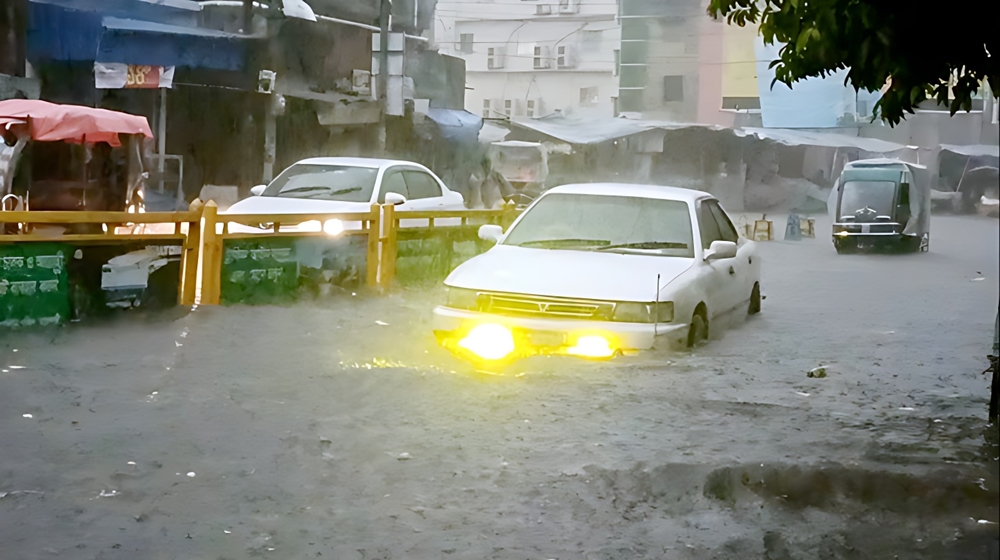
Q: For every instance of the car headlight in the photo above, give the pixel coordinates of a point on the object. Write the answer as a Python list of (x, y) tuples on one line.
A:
[(330, 227), (312, 226), (630, 312), (461, 298), (333, 227)]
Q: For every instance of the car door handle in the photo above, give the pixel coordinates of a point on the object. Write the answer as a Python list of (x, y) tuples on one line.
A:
[(732, 271)]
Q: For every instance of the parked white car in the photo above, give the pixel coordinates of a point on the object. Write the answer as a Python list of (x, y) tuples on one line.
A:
[(598, 269), (346, 185)]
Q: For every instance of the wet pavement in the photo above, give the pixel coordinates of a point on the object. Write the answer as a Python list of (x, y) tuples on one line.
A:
[(336, 429)]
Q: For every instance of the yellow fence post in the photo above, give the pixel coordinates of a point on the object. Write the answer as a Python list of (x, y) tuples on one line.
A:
[(387, 268), (191, 253), (372, 257), (211, 268)]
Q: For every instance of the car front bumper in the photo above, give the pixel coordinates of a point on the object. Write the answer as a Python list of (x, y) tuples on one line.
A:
[(536, 336)]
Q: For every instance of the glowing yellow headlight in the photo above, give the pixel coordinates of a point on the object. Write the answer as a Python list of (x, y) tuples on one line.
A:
[(842, 234), (592, 346), (333, 227), (489, 341)]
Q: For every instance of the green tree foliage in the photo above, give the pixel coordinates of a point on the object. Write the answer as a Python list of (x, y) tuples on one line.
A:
[(919, 49)]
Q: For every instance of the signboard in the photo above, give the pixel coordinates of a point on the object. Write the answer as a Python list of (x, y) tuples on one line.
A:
[(112, 75)]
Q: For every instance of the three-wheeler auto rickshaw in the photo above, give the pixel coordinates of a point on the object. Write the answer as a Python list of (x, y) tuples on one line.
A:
[(58, 157), (881, 204)]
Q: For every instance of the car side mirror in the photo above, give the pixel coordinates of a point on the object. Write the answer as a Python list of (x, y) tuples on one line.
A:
[(490, 232), (258, 190), (721, 250), (394, 199)]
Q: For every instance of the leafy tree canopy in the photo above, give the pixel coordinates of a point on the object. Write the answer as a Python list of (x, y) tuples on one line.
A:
[(918, 49)]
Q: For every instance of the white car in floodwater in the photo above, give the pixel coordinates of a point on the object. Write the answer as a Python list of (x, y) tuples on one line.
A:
[(594, 270), (334, 185)]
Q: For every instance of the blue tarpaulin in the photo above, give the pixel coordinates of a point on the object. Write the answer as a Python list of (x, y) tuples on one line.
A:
[(131, 41), (58, 33), (456, 125)]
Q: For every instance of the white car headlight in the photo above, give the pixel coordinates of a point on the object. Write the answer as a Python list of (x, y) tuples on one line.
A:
[(460, 298), (333, 227), (312, 226), (330, 227), (630, 312)]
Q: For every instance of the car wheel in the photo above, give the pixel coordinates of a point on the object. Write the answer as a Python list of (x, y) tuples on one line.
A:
[(698, 331), (754, 300)]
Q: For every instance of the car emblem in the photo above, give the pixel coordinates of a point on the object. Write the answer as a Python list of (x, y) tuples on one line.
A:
[(543, 307)]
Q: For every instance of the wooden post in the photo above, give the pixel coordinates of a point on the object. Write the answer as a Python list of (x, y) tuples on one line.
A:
[(211, 269), (372, 257), (387, 268), (191, 254), (508, 216)]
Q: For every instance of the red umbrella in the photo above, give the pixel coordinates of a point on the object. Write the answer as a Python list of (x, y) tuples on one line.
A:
[(52, 122)]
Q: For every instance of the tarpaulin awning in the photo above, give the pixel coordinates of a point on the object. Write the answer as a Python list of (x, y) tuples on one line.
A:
[(973, 150), (456, 125), (581, 130), (824, 139), (130, 41), (52, 122)]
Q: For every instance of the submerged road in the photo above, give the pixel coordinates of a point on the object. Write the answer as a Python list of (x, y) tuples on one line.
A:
[(316, 432)]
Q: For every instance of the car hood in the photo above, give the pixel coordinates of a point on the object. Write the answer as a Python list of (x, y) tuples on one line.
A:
[(277, 205), (563, 273)]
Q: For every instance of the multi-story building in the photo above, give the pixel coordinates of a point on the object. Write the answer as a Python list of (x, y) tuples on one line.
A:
[(530, 58)]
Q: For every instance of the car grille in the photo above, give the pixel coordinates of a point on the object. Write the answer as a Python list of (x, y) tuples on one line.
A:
[(535, 306)]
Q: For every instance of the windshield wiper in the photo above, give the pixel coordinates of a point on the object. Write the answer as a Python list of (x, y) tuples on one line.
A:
[(565, 243), (326, 190), (645, 245)]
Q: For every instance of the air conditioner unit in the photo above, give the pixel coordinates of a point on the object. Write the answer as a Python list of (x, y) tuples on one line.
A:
[(543, 10), (361, 82), (565, 56), (542, 57), (496, 58), (569, 6)]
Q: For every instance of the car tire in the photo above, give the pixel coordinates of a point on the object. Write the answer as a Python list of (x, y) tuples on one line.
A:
[(698, 331), (754, 300)]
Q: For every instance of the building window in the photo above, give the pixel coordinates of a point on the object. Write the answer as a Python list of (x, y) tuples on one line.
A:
[(741, 103), (529, 108), (508, 104), (465, 43), (618, 62), (673, 88), (542, 58), (495, 58), (588, 95), (487, 108)]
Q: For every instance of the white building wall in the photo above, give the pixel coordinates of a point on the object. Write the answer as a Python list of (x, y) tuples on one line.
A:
[(541, 63)]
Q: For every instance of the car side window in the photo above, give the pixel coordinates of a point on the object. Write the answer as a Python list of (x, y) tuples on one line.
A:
[(392, 182), (421, 185), (726, 227), (708, 226)]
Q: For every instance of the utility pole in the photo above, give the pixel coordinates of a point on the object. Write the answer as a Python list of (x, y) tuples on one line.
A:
[(382, 84)]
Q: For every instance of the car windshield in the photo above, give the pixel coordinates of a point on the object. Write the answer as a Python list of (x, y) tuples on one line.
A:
[(606, 223), (877, 195), (324, 182)]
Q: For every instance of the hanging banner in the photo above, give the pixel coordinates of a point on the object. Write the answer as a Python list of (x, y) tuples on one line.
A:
[(112, 75)]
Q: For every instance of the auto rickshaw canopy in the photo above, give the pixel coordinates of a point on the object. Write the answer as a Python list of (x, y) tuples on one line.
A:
[(53, 122)]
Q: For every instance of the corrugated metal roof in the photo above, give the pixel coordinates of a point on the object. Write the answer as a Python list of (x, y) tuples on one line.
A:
[(973, 150), (825, 139)]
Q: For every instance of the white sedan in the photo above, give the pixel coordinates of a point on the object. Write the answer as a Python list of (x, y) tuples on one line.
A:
[(599, 269), (346, 185)]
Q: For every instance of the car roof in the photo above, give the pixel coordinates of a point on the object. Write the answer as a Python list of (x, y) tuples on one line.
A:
[(374, 163), (633, 190)]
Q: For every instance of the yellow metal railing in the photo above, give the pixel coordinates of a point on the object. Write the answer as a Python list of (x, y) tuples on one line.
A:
[(202, 232), (30, 226)]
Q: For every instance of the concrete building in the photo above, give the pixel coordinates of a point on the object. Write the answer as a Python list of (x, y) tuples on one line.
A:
[(530, 58)]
